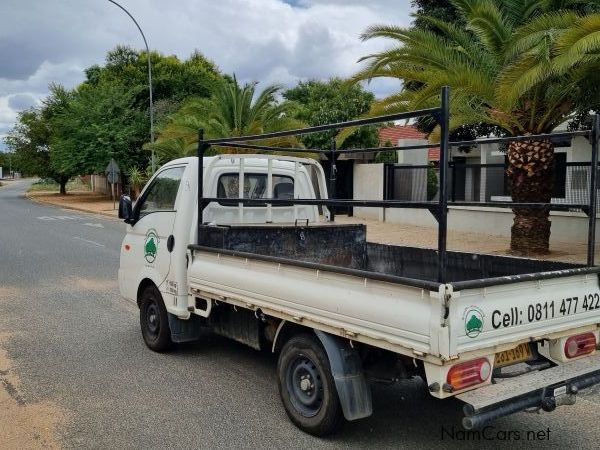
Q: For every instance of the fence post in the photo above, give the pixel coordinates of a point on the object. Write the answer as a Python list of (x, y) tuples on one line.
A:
[(443, 200), (595, 135)]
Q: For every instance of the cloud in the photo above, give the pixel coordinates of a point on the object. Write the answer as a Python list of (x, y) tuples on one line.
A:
[(17, 95), (19, 102), (272, 41)]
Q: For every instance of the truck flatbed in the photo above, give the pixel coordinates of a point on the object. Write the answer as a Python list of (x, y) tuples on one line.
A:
[(342, 247)]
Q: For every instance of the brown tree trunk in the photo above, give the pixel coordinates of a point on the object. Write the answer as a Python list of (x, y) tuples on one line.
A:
[(63, 187), (531, 174)]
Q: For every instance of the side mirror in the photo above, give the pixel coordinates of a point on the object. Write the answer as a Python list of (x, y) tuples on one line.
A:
[(125, 209)]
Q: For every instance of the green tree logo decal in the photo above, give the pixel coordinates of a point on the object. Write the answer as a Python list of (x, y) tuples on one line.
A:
[(151, 245), (473, 321)]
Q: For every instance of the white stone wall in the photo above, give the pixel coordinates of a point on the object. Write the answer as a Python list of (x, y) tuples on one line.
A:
[(566, 226), (368, 185)]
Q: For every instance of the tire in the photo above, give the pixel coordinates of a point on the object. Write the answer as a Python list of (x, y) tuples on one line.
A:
[(154, 320), (306, 386)]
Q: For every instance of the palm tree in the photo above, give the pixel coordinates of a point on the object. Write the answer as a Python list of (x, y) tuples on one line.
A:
[(232, 110), (520, 65)]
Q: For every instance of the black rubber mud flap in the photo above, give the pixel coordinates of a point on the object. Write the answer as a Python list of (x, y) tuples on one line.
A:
[(185, 330), (350, 382)]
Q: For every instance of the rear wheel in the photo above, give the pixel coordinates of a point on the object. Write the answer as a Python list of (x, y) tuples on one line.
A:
[(307, 387), (154, 320)]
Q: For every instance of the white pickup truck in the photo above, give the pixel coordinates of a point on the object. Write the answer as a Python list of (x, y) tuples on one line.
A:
[(503, 335)]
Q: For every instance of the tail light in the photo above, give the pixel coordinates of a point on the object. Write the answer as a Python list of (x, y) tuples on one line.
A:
[(469, 373), (582, 344)]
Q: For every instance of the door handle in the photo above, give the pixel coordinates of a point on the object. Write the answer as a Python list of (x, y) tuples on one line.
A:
[(170, 243)]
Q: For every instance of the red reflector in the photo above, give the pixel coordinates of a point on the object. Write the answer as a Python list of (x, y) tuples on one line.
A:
[(469, 373), (582, 344), (127, 247)]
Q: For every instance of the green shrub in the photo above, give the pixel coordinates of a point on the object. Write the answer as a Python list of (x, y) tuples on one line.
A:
[(390, 157), (432, 182)]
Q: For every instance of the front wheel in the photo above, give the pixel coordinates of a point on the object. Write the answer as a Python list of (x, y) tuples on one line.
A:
[(307, 387), (154, 320)]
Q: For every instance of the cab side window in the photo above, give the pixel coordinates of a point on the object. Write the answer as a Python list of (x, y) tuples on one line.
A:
[(162, 192)]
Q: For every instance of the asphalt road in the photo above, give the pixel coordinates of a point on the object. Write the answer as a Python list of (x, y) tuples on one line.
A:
[(73, 341)]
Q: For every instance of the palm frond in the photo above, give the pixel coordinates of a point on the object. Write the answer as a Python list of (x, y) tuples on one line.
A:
[(232, 110), (489, 24), (547, 27), (580, 43)]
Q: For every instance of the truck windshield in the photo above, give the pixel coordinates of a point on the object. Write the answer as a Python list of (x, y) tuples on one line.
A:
[(255, 186), (162, 192)]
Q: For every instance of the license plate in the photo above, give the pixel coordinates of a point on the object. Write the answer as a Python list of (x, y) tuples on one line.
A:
[(516, 355)]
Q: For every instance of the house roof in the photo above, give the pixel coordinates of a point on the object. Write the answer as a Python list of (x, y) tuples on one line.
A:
[(397, 132)]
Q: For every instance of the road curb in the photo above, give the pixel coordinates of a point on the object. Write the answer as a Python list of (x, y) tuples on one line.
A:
[(33, 198)]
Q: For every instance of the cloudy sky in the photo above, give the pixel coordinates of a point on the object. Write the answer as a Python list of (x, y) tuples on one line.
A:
[(43, 41)]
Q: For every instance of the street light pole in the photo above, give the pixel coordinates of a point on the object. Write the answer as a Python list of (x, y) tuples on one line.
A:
[(149, 80)]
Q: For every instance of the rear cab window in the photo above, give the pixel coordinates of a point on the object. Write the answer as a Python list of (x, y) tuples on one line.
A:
[(255, 186)]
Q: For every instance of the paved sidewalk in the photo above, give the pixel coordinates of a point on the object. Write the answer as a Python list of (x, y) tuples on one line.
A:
[(78, 200)]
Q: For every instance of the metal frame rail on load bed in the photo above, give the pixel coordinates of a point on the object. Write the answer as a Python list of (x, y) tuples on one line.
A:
[(439, 208)]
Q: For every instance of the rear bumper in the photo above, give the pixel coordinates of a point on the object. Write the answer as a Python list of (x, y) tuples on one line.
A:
[(545, 389)]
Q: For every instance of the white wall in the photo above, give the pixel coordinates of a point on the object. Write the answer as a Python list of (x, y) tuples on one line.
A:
[(580, 150), (413, 157), (566, 226), (368, 185)]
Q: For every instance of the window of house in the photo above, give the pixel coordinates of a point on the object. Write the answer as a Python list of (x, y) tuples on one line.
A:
[(579, 179)]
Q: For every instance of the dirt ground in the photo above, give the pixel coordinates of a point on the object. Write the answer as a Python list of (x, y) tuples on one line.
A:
[(24, 424), (426, 237), (79, 200)]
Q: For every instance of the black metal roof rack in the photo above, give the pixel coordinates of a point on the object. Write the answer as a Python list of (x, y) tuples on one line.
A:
[(438, 208)]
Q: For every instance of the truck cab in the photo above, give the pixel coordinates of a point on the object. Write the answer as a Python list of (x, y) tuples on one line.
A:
[(161, 223)]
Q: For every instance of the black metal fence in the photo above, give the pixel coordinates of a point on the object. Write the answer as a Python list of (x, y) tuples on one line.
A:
[(437, 206), (482, 183)]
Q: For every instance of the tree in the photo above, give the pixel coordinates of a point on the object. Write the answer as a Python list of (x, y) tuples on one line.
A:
[(439, 9), (107, 115), (172, 78), (29, 140), (320, 103), (96, 124), (232, 110), (7, 161), (503, 72), (446, 11)]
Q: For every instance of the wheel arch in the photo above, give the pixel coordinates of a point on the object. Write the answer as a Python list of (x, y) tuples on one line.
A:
[(351, 385), (141, 287), (285, 331)]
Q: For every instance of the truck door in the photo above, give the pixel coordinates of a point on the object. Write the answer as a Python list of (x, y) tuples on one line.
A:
[(149, 254)]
